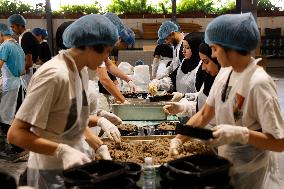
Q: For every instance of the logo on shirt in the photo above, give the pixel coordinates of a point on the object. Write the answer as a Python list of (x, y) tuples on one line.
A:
[(238, 104)]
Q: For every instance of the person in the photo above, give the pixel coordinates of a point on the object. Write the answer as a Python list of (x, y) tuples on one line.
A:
[(163, 56), (243, 99), (12, 64), (187, 104), (183, 79), (53, 120), (44, 50), (27, 41), (169, 33)]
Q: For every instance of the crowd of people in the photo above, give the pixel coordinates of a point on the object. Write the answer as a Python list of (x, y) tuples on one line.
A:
[(48, 114)]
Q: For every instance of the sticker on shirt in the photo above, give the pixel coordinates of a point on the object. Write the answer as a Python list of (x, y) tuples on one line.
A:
[(238, 104)]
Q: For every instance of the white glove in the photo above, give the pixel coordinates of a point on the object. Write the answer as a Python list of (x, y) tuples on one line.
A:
[(103, 152), (70, 156), (110, 116), (155, 67), (226, 134), (132, 86), (181, 108), (174, 146), (110, 129), (177, 96)]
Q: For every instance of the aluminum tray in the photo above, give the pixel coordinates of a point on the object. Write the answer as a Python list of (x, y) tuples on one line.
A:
[(140, 111)]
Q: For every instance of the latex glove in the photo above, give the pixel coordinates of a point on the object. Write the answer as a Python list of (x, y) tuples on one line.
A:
[(173, 108), (226, 134), (175, 144), (110, 116), (103, 152), (110, 129), (181, 108), (177, 96), (70, 156), (132, 86)]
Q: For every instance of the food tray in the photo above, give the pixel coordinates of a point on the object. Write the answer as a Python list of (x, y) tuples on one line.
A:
[(158, 98), (140, 112)]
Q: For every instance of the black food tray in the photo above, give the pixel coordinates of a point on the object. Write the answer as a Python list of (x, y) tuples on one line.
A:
[(158, 98), (195, 132)]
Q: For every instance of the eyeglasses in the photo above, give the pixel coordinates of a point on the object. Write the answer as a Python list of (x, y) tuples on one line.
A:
[(224, 91), (205, 61)]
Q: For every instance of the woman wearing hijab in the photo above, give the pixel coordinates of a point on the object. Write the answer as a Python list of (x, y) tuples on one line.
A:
[(192, 102), (183, 78)]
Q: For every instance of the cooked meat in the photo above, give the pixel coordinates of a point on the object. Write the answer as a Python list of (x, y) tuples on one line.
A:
[(127, 127)]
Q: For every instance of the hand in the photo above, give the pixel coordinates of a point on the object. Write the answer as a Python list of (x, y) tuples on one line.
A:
[(103, 152), (110, 116), (70, 156), (110, 129), (226, 134), (177, 96), (174, 146), (173, 108), (132, 86)]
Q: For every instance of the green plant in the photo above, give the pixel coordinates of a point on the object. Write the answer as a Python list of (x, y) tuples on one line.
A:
[(131, 6), (225, 8), (164, 7), (15, 6), (79, 9), (266, 5), (186, 6)]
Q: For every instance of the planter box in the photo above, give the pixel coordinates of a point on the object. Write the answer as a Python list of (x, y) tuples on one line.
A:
[(150, 30)]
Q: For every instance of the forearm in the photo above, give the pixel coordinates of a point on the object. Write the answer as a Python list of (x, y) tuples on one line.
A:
[(202, 117), (93, 120), (94, 141), (114, 70), (109, 85), (265, 141), (20, 135), (29, 61)]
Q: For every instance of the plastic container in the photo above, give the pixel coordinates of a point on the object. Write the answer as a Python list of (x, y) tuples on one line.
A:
[(133, 171), (149, 174)]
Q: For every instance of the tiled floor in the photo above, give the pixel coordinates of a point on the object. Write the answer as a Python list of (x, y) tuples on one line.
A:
[(277, 73)]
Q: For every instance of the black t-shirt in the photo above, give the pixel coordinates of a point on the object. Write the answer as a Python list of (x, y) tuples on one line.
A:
[(59, 33), (30, 45), (44, 52), (164, 50)]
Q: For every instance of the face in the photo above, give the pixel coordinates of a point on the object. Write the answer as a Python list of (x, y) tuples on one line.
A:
[(208, 65), (16, 29), (38, 38), (171, 39), (221, 55), (95, 59), (186, 50)]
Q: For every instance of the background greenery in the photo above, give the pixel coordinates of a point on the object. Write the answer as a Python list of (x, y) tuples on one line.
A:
[(8, 7)]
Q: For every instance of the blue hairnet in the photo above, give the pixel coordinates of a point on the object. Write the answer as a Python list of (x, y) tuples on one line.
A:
[(17, 19), (165, 30), (125, 33), (90, 30), (44, 32), (235, 31), (128, 36), (39, 31), (5, 29)]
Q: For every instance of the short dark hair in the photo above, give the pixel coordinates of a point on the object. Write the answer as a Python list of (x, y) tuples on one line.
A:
[(241, 52), (99, 48)]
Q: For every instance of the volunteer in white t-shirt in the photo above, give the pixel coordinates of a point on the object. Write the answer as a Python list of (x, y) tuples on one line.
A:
[(52, 121), (243, 98)]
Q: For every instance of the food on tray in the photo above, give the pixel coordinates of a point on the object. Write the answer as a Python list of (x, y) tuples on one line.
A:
[(152, 89), (127, 127), (136, 151), (167, 126)]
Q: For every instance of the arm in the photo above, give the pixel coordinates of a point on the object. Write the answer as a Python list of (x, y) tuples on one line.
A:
[(114, 70), (20, 135), (94, 141), (29, 62), (108, 84), (200, 119)]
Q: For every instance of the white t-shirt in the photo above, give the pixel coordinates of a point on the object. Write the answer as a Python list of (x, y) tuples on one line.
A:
[(50, 103), (259, 109)]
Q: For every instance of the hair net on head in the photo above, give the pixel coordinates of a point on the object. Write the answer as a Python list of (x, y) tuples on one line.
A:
[(17, 19), (90, 30), (235, 31), (5, 29), (165, 30), (125, 33)]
